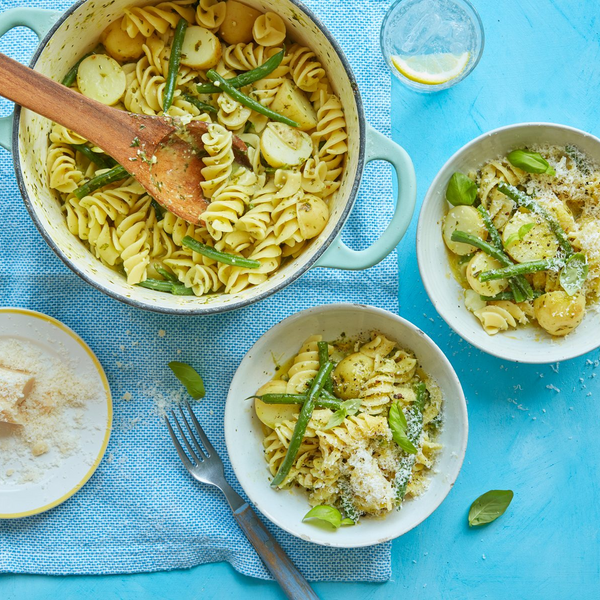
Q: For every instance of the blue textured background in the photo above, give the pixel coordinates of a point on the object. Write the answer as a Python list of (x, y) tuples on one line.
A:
[(540, 63)]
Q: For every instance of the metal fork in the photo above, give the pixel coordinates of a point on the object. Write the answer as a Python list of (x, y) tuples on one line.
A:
[(204, 464)]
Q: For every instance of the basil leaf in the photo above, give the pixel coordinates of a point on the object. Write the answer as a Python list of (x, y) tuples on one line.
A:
[(532, 162), (347, 521), (574, 273), (189, 378), (523, 231), (325, 513), (461, 190), (489, 506), (336, 419), (398, 425), (351, 406)]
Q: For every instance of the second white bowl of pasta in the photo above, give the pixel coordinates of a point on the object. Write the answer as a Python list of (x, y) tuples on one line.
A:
[(527, 196), (385, 440)]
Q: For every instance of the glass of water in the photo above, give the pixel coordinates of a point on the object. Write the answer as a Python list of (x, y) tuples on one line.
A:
[(431, 45)]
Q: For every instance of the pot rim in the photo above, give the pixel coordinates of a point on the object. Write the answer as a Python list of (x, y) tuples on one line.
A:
[(204, 309)]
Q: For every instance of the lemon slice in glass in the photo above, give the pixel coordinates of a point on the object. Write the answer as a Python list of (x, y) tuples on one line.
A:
[(432, 69)]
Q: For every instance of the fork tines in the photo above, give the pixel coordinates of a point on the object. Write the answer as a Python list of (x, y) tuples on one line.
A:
[(199, 453)]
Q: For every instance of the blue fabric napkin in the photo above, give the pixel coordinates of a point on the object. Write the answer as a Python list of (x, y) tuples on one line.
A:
[(141, 511)]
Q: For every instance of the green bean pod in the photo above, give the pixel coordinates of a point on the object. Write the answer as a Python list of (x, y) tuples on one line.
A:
[(246, 100), (521, 290), (174, 59), (522, 199), (246, 78), (323, 348), (322, 402), (522, 268), (169, 287), (201, 106), (98, 158), (224, 257), (303, 419), (115, 174)]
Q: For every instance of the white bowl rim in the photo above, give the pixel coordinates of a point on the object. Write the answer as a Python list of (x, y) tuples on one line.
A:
[(458, 453), (421, 229)]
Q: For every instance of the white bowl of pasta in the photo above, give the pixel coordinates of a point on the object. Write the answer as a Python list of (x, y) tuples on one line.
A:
[(283, 209), (354, 465), (534, 197)]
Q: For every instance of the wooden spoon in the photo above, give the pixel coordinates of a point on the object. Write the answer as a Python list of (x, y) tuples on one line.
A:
[(149, 147)]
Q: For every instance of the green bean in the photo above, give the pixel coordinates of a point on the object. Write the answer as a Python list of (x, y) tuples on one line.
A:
[(98, 158), (322, 402), (170, 287), (223, 257), (303, 419), (521, 290), (159, 211), (473, 240), (115, 174), (522, 199), (201, 106), (246, 78), (527, 267), (246, 100), (174, 59), (323, 348), (507, 296), (166, 274)]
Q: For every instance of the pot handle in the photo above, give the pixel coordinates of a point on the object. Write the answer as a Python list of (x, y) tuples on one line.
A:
[(380, 147), (40, 21)]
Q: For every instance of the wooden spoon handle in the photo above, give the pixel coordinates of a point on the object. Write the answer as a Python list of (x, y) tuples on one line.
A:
[(90, 119)]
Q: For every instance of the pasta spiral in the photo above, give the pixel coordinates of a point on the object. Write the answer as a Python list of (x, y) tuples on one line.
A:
[(148, 19), (210, 14), (64, 174), (245, 57), (269, 30), (218, 163), (307, 71)]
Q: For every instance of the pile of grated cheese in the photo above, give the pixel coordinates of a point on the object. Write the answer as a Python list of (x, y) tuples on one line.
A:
[(51, 417)]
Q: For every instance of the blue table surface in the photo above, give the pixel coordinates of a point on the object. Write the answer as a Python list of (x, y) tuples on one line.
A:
[(532, 428)]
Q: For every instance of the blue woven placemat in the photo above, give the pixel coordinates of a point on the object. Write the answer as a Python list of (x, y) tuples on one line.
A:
[(141, 511)]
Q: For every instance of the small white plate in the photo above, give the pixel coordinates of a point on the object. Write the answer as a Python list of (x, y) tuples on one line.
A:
[(59, 483), (244, 437)]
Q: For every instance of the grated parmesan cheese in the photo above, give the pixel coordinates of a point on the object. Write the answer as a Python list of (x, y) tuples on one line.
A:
[(50, 416)]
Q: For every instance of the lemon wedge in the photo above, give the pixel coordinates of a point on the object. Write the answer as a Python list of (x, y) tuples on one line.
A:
[(432, 69)]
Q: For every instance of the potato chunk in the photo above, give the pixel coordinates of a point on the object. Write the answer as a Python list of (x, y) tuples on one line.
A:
[(478, 264), (119, 45), (558, 313), (201, 49), (350, 375), (537, 243), (101, 78), (291, 102), (467, 219), (238, 23), (285, 146), (313, 215)]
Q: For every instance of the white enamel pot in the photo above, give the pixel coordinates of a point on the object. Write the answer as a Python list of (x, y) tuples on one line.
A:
[(66, 37)]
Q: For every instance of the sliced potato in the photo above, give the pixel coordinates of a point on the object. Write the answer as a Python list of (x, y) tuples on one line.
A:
[(285, 146), (119, 45), (291, 102), (350, 375), (538, 243), (558, 313), (201, 49), (101, 78), (271, 414), (313, 215), (478, 264), (463, 218), (238, 23)]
